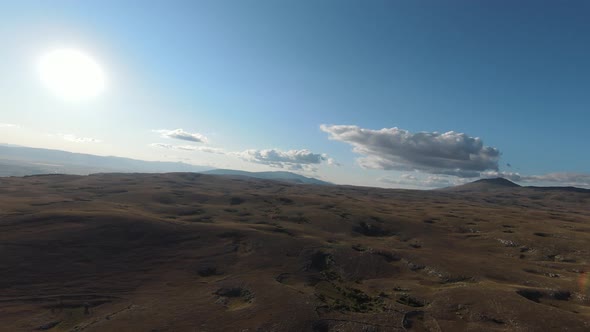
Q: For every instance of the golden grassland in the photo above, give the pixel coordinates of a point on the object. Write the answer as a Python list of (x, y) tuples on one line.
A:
[(191, 252)]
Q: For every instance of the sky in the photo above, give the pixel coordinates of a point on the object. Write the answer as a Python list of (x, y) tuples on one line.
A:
[(405, 94)]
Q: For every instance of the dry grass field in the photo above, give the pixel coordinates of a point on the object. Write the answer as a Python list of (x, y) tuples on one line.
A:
[(192, 252)]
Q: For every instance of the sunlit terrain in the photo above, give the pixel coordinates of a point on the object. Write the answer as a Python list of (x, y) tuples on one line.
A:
[(184, 251), (294, 165)]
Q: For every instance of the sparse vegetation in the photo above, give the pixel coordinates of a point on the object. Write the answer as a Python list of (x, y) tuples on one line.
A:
[(413, 260), (371, 229), (236, 201)]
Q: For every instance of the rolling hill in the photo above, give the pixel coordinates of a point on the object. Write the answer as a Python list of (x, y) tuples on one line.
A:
[(279, 176), (22, 161), (200, 252), (484, 185)]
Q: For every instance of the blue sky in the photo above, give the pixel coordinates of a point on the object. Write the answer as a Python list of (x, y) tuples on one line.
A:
[(257, 79)]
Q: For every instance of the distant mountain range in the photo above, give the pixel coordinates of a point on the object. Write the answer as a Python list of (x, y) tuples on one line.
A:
[(21, 161), (279, 176), (485, 185)]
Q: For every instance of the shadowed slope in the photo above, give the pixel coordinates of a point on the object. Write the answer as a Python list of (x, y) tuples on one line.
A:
[(484, 185)]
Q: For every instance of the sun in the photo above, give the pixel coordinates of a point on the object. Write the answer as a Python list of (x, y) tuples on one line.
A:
[(71, 74)]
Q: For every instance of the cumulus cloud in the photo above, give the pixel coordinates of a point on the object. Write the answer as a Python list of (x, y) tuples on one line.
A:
[(295, 160), (181, 135), (76, 139), (449, 153), (292, 159), (207, 149)]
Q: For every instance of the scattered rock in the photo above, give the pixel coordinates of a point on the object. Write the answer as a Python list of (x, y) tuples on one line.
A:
[(227, 294), (236, 201), (359, 247), (411, 317), (389, 256), (48, 326), (532, 295), (508, 243), (368, 229), (410, 301), (207, 270), (320, 261)]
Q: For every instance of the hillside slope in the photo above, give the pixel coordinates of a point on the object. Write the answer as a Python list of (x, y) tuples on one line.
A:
[(279, 176), (484, 185)]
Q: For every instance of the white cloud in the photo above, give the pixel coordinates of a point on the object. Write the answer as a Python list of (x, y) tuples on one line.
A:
[(207, 149), (564, 179), (418, 179), (555, 179), (292, 159), (449, 153), (162, 145), (296, 160), (333, 162), (512, 176), (430, 181), (181, 135), (76, 139), (8, 125)]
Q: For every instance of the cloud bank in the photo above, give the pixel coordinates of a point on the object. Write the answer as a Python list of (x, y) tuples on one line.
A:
[(182, 135), (207, 149), (557, 178), (76, 139), (417, 179), (430, 181), (449, 153), (302, 160)]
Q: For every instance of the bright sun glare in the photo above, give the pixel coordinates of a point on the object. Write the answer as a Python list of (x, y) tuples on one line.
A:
[(71, 74)]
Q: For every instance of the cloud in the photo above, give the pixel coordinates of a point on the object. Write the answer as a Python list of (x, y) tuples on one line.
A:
[(565, 179), (557, 178), (8, 125), (162, 145), (449, 153), (431, 181), (333, 162), (512, 176), (76, 139), (295, 160), (419, 179), (181, 135), (207, 149), (292, 159)]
